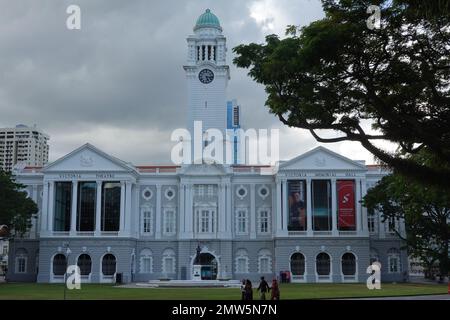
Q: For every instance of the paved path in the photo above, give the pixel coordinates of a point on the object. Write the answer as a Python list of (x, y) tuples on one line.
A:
[(425, 297)]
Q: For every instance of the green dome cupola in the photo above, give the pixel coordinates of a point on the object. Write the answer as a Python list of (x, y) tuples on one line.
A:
[(208, 20)]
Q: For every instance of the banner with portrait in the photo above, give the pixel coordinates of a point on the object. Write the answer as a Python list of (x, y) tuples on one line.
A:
[(297, 205)]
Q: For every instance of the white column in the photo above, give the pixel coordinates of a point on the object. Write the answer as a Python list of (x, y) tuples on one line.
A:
[(189, 214), (222, 209), (182, 229), (278, 211), (401, 227), (44, 213), (229, 211), (34, 227), (309, 220), (334, 227), (252, 212), (122, 206), (285, 208), (158, 212), (358, 206), (137, 212), (51, 205), (273, 213), (128, 207), (73, 212), (98, 209), (365, 227), (381, 226)]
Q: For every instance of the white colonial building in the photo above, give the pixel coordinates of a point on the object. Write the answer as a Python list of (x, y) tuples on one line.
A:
[(204, 221)]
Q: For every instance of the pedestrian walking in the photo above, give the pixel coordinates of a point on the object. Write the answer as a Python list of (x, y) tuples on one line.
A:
[(243, 289), (248, 290), (275, 290), (263, 289)]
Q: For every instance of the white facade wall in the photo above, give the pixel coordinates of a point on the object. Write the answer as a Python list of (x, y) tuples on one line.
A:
[(225, 243)]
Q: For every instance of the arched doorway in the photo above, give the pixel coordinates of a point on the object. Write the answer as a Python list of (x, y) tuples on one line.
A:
[(205, 266)]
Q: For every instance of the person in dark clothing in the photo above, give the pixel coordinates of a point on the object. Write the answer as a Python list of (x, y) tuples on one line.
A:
[(243, 289), (275, 290), (248, 290), (263, 289)]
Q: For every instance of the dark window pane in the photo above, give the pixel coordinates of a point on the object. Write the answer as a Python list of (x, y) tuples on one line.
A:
[(59, 265), (323, 264), (321, 205), (63, 206), (111, 206), (109, 265), (298, 264), (348, 264), (87, 192), (85, 264)]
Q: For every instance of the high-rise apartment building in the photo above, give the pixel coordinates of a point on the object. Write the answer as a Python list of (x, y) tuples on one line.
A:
[(23, 144)]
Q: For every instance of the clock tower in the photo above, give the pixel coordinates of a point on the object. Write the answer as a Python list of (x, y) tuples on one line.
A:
[(207, 75)]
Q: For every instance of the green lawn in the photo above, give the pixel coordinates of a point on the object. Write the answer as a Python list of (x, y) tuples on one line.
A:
[(288, 291)]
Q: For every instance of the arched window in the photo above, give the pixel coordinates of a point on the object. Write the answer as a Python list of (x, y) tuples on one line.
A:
[(109, 265), (323, 264), (21, 260), (348, 264), (241, 261), (146, 261), (394, 264), (168, 261), (59, 264), (85, 264), (264, 261), (297, 265)]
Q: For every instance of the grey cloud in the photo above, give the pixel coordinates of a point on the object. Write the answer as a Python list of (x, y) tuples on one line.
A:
[(123, 71)]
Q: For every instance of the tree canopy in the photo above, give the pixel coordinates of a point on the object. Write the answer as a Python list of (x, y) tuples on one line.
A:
[(338, 74), (16, 209), (426, 213)]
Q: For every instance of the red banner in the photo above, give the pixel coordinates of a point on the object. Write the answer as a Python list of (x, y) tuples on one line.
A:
[(346, 204)]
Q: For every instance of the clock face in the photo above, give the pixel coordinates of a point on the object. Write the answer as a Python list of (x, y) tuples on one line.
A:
[(206, 76)]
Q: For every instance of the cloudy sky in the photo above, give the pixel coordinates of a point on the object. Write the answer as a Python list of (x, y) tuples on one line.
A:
[(119, 84)]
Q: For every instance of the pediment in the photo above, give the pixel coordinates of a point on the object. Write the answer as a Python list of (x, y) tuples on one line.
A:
[(88, 158), (322, 158)]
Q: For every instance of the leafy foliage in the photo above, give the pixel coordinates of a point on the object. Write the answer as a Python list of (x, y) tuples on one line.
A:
[(426, 212), (16, 209), (337, 74)]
